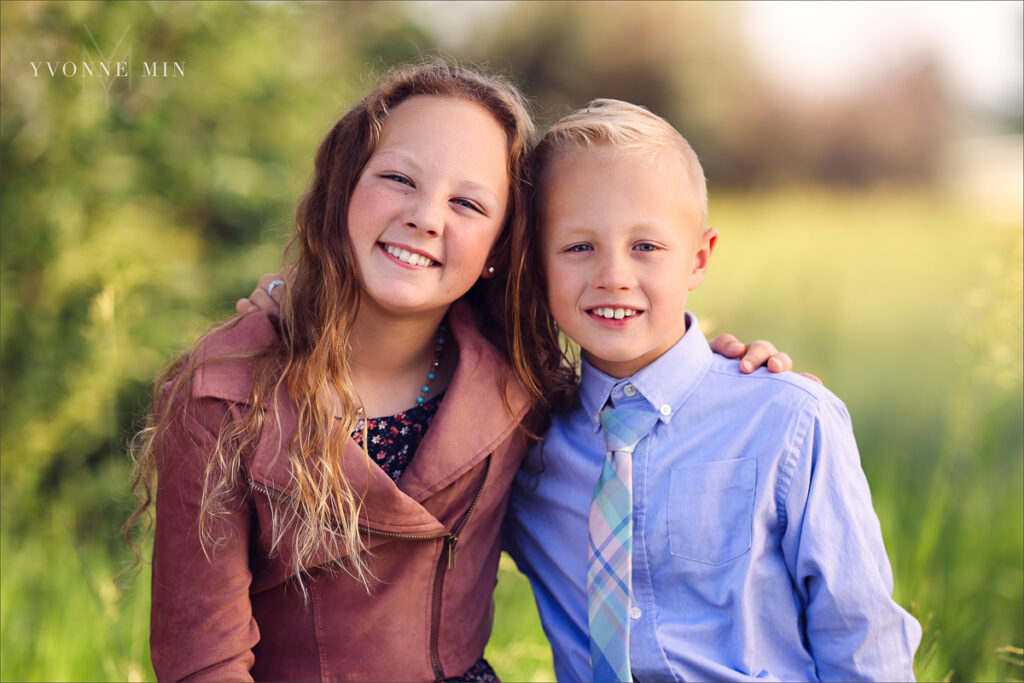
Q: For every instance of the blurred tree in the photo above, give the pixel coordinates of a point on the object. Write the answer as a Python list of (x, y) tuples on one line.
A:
[(170, 195), (689, 63), (684, 61), (134, 211)]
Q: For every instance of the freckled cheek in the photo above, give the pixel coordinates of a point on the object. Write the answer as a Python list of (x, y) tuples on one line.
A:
[(369, 210)]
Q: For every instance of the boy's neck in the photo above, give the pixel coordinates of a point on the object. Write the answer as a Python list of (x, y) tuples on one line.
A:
[(624, 369)]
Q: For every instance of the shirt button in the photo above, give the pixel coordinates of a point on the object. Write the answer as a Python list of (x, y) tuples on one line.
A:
[(597, 418), (665, 409), (635, 612), (629, 389)]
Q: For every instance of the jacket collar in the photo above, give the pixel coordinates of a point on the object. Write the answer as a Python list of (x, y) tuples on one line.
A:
[(470, 423)]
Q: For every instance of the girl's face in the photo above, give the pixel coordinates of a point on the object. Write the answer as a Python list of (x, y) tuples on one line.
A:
[(429, 205)]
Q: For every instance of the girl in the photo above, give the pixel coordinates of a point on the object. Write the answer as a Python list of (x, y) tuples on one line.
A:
[(296, 536)]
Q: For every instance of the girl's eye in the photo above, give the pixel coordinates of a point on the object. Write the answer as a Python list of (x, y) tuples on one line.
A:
[(578, 248), (473, 206), (397, 178), (646, 246)]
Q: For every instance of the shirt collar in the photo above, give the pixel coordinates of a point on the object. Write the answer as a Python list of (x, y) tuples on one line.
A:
[(665, 384)]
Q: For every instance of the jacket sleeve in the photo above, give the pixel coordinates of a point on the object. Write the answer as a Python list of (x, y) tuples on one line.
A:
[(201, 623), (835, 554)]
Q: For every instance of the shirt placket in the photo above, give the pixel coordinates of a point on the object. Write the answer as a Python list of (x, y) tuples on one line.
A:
[(646, 658)]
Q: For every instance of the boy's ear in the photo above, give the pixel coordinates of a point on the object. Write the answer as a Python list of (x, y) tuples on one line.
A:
[(702, 257)]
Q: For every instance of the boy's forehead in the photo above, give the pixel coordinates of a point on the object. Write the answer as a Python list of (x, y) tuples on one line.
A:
[(602, 178), (605, 161)]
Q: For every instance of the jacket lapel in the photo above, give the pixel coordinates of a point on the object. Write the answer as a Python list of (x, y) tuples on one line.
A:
[(385, 507), (471, 422), (472, 419)]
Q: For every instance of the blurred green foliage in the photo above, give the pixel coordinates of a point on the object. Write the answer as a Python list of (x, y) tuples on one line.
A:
[(133, 214)]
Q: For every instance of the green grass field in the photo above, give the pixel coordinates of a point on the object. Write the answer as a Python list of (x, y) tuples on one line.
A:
[(908, 305)]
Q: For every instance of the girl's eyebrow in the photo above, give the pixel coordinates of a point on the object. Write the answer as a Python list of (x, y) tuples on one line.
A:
[(400, 156), (478, 187), (467, 185)]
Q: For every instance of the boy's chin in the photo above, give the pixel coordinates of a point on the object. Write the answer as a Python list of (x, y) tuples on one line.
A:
[(625, 362), (617, 366)]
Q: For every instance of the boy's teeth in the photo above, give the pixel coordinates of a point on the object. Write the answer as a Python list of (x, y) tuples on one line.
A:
[(615, 313), (407, 256)]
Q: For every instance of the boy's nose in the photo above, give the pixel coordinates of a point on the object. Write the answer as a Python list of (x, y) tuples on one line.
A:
[(614, 273)]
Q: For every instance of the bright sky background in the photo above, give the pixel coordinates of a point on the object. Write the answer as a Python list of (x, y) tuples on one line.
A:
[(827, 47)]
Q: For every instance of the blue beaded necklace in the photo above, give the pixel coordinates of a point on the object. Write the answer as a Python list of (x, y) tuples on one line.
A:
[(432, 375)]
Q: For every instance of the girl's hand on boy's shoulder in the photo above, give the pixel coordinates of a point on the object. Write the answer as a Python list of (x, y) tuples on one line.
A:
[(755, 354), (264, 298)]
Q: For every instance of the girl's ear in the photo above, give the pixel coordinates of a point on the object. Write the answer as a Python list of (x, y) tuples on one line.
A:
[(488, 272), (702, 257)]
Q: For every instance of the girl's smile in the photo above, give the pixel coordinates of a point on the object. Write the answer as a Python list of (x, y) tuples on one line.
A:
[(429, 205), (409, 257)]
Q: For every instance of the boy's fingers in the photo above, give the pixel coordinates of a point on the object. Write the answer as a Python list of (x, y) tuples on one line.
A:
[(243, 306), (728, 346), (269, 279), (263, 301), (266, 279), (757, 354)]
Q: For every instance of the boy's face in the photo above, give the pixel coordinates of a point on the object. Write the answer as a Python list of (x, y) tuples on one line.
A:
[(621, 249)]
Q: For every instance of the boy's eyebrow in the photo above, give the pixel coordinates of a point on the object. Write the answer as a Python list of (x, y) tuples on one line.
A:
[(583, 229)]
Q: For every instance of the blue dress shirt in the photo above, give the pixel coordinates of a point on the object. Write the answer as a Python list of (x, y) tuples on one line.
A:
[(756, 551)]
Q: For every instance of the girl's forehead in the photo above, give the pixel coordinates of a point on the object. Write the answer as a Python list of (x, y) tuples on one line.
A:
[(449, 139), (446, 127), (452, 117)]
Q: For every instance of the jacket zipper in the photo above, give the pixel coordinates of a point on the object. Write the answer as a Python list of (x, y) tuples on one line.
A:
[(447, 561)]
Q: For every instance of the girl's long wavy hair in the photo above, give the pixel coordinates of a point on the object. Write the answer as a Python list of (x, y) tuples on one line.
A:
[(310, 364)]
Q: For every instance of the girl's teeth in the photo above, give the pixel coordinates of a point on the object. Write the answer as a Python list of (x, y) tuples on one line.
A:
[(407, 256)]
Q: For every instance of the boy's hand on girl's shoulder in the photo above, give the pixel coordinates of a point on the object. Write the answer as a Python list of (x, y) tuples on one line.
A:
[(755, 354), (263, 298)]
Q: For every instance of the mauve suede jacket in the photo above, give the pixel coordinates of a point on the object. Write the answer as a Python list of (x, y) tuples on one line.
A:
[(434, 537)]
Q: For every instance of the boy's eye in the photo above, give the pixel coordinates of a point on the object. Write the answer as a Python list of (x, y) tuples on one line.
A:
[(646, 246)]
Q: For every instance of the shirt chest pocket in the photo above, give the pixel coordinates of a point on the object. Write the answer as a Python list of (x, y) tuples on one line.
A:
[(711, 509)]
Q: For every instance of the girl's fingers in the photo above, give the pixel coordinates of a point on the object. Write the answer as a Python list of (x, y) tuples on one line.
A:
[(812, 378), (728, 346), (780, 362), (757, 354)]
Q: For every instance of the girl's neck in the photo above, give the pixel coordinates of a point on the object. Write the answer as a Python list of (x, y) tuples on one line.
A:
[(392, 356)]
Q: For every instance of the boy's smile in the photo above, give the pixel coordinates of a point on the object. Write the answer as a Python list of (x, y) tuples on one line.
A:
[(621, 249)]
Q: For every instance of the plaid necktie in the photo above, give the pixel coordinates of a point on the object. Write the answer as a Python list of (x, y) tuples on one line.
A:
[(609, 560)]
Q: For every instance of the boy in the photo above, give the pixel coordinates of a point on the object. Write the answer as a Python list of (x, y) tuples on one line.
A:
[(730, 533)]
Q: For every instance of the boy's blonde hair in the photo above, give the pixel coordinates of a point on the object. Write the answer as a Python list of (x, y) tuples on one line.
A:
[(628, 128)]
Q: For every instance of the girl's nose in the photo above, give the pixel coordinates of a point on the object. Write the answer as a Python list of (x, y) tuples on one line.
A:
[(425, 216)]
